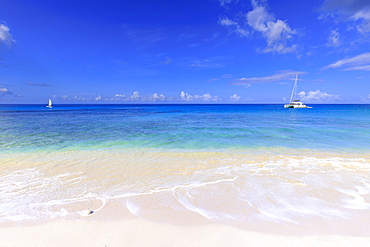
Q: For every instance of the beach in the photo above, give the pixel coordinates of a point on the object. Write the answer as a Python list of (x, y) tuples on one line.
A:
[(136, 232), (180, 215), (184, 176)]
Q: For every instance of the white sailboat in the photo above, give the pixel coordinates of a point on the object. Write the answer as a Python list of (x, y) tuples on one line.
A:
[(295, 103), (50, 104)]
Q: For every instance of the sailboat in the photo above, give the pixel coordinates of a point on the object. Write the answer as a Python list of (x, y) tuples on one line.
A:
[(295, 103), (50, 104)]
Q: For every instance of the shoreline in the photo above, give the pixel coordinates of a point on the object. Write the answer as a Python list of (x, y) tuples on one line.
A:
[(203, 186)]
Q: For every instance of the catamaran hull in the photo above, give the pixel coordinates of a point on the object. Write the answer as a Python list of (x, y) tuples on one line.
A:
[(296, 106)]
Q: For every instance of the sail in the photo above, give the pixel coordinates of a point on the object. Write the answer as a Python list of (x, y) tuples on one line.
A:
[(294, 88), (50, 103)]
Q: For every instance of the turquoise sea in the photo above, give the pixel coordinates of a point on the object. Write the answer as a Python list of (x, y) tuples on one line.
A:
[(232, 164), (27, 128)]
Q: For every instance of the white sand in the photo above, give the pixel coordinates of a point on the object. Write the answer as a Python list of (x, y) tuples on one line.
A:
[(136, 232)]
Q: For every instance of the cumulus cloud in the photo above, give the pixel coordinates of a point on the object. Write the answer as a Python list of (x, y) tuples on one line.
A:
[(5, 36), (135, 96), (276, 32), (185, 96), (357, 11), (317, 96), (198, 98), (156, 97), (280, 76), (359, 62), (234, 97)]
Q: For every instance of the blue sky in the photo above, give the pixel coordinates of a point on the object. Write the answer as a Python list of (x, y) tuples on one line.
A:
[(209, 51)]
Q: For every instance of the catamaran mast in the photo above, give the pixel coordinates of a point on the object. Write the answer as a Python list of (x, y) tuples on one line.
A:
[(294, 87)]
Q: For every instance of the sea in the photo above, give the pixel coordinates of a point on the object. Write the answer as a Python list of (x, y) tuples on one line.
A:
[(244, 165)]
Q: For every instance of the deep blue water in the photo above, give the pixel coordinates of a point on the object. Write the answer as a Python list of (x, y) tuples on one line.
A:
[(26, 128)]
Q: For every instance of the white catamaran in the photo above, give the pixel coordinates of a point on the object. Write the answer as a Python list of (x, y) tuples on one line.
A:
[(50, 104), (295, 103)]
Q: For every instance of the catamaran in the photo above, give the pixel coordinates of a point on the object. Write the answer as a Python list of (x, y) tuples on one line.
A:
[(295, 103), (50, 104)]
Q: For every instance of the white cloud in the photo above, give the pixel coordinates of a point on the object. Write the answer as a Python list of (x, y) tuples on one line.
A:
[(5, 91), (224, 21), (135, 96), (276, 32), (5, 36), (357, 11), (235, 97), (120, 95), (280, 76), (259, 17), (185, 96), (156, 97), (235, 26), (197, 98), (359, 62), (317, 96)]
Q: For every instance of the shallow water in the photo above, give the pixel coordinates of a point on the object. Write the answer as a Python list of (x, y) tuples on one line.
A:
[(234, 164)]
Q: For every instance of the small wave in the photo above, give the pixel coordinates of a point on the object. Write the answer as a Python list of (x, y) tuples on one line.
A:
[(282, 189)]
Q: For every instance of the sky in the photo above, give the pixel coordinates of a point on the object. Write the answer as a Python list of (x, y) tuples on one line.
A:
[(184, 51)]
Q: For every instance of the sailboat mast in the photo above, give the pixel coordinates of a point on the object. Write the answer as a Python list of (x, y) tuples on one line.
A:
[(294, 87)]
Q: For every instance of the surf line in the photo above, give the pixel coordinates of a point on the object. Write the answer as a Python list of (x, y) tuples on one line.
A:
[(173, 189)]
